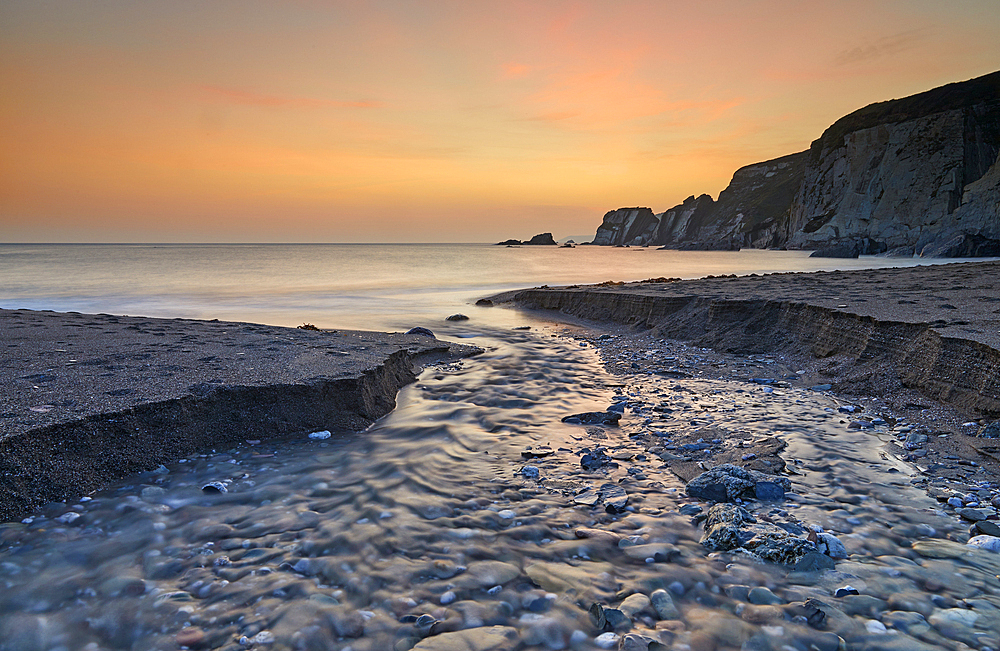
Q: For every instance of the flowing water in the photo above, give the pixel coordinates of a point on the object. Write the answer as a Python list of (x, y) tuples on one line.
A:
[(425, 526), (428, 524)]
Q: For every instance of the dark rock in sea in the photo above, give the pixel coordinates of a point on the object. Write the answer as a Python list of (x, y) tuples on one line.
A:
[(542, 238), (847, 249), (961, 245), (484, 302), (727, 482), (608, 418), (846, 590), (457, 317), (420, 331)]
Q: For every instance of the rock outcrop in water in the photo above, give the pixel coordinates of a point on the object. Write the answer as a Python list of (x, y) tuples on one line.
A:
[(913, 176), (541, 238)]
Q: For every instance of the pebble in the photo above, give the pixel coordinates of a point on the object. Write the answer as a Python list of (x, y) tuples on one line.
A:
[(325, 434), (457, 317), (530, 472), (761, 596), (664, 605), (989, 543), (215, 487), (845, 591), (607, 640)]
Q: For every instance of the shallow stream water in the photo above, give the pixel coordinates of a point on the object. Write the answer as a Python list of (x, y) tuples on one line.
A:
[(425, 526)]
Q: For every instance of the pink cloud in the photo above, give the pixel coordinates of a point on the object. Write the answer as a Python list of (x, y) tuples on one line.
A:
[(250, 98)]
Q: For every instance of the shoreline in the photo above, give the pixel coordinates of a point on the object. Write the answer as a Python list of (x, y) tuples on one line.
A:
[(90, 399), (917, 345)]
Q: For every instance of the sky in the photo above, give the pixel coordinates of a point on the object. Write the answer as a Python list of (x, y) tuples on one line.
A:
[(436, 121)]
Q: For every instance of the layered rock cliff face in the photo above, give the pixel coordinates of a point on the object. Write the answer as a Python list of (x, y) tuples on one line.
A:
[(919, 175)]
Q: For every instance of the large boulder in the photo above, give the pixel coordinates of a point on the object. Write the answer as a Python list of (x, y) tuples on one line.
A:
[(729, 527)]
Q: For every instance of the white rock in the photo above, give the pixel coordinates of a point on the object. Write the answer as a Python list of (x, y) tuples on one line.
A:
[(507, 514), (448, 597), (831, 546), (989, 543), (875, 627), (320, 435), (606, 640)]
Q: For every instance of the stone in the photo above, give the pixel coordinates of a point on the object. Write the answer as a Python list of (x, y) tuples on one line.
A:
[(486, 574), (989, 543), (845, 591), (215, 487), (457, 317), (664, 605), (830, 545), (420, 331), (988, 527), (939, 549), (191, 637), (730, 527), (726, 483), (952, 617), (635, 604), (614, 497), (530, 472), (814, 562), (597, 534), (974, 514), (483, 638), (761, 596), (606, 418), (989, 431), (607, 640)]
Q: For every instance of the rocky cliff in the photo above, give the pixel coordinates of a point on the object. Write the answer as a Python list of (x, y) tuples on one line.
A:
[(919, 175)]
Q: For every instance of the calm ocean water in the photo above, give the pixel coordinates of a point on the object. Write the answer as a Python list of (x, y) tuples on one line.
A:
[(364, 286)]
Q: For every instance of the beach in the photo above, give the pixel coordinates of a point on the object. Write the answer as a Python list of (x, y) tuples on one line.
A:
[(88, 399), (666, 463)]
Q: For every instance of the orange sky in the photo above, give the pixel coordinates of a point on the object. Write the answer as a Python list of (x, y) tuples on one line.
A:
[(322, 121)]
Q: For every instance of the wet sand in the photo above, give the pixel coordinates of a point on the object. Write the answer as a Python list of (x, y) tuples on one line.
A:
[(87, 399)]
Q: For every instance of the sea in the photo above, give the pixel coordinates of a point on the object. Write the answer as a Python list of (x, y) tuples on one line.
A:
[(467, 518), (360, 286)]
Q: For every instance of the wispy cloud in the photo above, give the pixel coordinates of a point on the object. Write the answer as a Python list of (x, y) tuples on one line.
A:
[(885, 46), (250, 98), (515, 70)]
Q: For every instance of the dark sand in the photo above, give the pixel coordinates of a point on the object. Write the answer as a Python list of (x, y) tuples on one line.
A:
[(86, 399)]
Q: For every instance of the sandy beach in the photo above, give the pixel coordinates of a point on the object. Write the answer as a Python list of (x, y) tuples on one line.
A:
[(88, 399)]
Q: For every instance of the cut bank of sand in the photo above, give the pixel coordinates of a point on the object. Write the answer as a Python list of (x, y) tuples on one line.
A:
[(925, 341), (88, 399)]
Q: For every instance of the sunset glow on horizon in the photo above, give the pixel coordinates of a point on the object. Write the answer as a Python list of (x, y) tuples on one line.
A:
[(314, 121)]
